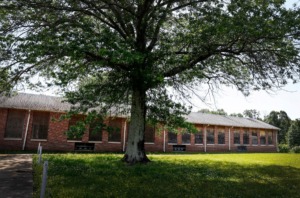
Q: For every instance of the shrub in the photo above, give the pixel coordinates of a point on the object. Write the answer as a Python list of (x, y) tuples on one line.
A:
[(283, 148), (296, 149)]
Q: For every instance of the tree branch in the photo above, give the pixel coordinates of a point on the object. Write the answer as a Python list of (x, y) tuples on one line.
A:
[(182, 68), (93, 57)]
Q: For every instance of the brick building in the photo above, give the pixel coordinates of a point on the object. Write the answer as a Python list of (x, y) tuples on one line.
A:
[(27, 120)]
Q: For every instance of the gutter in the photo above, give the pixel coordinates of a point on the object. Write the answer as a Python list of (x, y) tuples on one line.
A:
[(277, 141), (229, 141), (164, 148), (124, 138), (205, 138), (26, 131)]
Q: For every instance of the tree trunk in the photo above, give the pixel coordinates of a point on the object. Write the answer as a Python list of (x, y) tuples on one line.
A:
[(135, 151)]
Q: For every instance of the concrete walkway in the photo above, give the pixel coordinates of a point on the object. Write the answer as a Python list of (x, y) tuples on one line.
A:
[(16, 176)]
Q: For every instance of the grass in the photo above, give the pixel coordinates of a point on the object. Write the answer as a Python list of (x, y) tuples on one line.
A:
[(171, 175)]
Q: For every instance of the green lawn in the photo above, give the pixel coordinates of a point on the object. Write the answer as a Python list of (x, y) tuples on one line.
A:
[(171, 175)]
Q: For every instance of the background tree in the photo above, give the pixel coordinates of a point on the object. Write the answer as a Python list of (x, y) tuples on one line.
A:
[(252, 113), (281, 120), (293, 136), (126, 54), (218, 111), (237, 115)]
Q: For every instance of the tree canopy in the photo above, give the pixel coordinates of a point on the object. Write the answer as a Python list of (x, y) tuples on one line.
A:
[(281, 120), (293, 136), (252, 113), (128, 53), (218, 111)]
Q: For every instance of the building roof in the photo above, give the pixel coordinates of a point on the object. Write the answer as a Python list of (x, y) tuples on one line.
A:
[(35, 102), (56, 104), (230, 121)]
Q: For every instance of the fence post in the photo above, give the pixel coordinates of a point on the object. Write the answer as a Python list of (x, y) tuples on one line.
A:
[(40, 155), (38, 150), (44, 179)]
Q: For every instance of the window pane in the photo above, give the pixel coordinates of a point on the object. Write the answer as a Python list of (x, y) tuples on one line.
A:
[(186, 138), (270, 138), (199, 137), (254, 138), (262, 137), (237, 137), (172, 138), (221, 137), (40, 125), (14, 124), (149, 133), (246, 138), (95, 131), (210, 136), (114, 131)]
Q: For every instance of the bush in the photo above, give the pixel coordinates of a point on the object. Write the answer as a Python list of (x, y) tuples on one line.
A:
[(296, 149), (283, 148)]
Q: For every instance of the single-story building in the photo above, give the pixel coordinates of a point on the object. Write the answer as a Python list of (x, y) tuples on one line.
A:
[(28, 119)]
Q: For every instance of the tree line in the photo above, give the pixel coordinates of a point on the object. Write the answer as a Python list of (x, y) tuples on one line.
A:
[(289, 132)]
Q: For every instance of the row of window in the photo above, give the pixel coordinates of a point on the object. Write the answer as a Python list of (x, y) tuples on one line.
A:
[(238, 138), (40, 125)]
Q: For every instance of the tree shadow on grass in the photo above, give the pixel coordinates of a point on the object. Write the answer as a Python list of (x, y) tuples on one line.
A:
[(106, 176)]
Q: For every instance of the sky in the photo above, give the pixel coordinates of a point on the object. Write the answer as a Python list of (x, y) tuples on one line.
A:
[(232, 101)]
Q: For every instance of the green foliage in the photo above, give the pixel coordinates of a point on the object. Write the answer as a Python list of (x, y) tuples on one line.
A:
[(76, 131), (171, 175), (4, 76), (282, 121), (237, 115), (295, 149), (249, 45), (218, 111), (293, 135), (92, 120), (126, 56), (252, 113), (283, 148)]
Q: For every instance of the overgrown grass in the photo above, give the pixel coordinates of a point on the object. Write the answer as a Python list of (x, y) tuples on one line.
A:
[(189, 175)]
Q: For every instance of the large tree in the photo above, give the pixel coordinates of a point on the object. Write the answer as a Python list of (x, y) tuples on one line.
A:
[(281, 120), (130, 53)]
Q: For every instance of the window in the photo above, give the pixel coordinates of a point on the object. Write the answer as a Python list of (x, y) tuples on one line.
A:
[(221, 137), (236, 137), (254, 138), (270, 138), (186, 138), (95, 131), (172, 138), (114, 130), (14, 124), (40, 125), (76, 128), (262, 137), (199, 137), (149, 133), (246, 138), (210, 136)]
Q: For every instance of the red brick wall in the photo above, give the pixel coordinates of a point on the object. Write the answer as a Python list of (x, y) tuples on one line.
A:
[(57, 140)]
